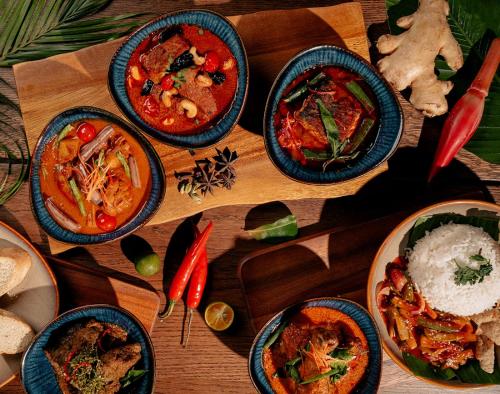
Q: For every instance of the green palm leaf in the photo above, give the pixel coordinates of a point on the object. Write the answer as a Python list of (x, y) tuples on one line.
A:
[(474, 24), (35, 29)]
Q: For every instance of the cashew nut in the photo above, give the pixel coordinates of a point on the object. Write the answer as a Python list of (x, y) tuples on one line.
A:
[(228, 64), (198, 60), (166, 96), (189, 107), (168, 121), (134, 71), (203, 81)]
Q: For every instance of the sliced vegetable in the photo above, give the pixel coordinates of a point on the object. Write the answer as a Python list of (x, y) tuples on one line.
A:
[(275, 335), (181, 278), (338, 370), (303, 87), (440, 336), (360, 94), (132, 376), (64, 132), (78, 196), (320, 156), (219, 316), (422, 368), (60, 217), (167, 82), (282, 228), (436, 325), (97, 143), (135, 175), (360, 135), (124, 163)]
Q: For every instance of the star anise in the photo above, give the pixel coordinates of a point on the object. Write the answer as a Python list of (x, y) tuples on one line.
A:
[(224, 160)]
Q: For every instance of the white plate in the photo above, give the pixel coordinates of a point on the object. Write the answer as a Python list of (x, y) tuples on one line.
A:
[(392, 247), (36, 299)]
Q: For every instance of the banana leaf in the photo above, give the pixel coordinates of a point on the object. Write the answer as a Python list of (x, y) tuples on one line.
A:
[(474, 24)]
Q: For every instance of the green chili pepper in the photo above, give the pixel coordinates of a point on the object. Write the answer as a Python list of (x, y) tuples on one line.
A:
[(360, 135), (436, 325), (124, 163), (78, 196), (360, 94), (302, 88), (275, 335)]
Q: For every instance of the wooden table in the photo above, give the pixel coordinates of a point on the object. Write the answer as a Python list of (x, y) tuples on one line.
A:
[(216, 363)]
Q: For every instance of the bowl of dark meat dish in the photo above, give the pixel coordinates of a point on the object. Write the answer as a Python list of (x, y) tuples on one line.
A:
[(323, 345), (91, 349), (94, 178), (330, 117), (182, 78)]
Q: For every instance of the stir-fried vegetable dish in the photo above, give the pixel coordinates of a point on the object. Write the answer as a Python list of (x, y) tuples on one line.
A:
[(441, 339), (319, 350), (182, 79), (326, 116), (94, 177), (94, 358)]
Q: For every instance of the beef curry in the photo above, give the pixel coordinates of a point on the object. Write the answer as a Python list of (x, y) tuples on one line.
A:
[(319, 350), (181, 79), (94, 177)]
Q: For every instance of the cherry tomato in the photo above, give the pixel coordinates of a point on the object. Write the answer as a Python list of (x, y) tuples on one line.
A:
[(105, 222), (86, 132), (151, 106), (167, 82), (212, 62)]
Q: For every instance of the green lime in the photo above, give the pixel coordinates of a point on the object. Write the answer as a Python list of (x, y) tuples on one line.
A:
[(148, 264)]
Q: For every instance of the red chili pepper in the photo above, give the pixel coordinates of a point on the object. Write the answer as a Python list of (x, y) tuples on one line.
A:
[(183, 274), (212, 62), (70, 356), (77, 367), (465, 116), (167, 82), (104, 333), (196, 286)]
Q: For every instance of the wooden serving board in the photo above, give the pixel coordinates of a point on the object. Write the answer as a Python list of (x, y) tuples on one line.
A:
[(83, 286), (47, 87), (332, 263)]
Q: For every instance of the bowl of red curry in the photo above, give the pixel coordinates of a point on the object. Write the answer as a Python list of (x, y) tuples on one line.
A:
[(182, 78)]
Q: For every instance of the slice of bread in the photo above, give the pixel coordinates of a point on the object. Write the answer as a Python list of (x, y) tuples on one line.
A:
[(14, 266), (15, 333)]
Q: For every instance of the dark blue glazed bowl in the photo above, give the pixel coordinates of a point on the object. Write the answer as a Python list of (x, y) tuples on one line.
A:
[(151, 204), (370, 382), (390, 124), (217, 24), (37, 375)]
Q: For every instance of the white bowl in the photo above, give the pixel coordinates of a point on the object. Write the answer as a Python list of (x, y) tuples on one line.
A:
[(391, 248)]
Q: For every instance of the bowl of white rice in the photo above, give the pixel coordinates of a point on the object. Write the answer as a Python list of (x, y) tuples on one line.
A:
[(455, 267)]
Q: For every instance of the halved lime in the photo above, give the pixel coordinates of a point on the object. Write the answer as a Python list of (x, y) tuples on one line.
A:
[(219, 316)]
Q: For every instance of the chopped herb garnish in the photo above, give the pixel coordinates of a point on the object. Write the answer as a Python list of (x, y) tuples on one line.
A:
[(466, 275), (341, 354)]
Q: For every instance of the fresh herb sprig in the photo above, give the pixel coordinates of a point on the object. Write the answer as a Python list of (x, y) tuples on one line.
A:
[(466, 275), (208, 174)]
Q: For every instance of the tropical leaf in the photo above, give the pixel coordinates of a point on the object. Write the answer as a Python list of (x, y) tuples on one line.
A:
[(474, 24), (35, 29)]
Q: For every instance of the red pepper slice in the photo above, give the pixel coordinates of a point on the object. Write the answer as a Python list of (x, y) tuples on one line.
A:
[(77, 367), (184, 272), (70, 356)]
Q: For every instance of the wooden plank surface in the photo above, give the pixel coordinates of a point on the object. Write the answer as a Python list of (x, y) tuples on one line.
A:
[(80, 78), (82, 285), (216, 363)]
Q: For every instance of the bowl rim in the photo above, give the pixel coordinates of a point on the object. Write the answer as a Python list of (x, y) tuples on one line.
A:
[(142, 139), (372, 68), (157, 133), (303, 303), (52, 277), (371, 277), (116, 308)]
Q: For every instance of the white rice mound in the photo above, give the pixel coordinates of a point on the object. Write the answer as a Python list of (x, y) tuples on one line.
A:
[(432, 266)]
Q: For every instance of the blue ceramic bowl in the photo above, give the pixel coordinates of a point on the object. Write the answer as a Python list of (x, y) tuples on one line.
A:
[(211, 21), (147, 211), (371, 380), (390, 116), (37, 375)]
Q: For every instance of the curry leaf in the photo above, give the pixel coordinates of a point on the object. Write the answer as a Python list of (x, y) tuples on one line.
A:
[(332, 131), (284, 228), (474, 24), (132, 376), (275, 335)]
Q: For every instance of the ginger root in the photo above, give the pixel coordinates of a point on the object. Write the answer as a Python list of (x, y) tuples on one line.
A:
[(410, 62)]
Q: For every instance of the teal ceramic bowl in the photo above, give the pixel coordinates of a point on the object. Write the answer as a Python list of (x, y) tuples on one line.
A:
[(152, 201), (370, 382), (37, 375), (217, 24), (390, 116)]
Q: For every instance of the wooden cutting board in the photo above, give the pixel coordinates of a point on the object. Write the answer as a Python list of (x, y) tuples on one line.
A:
[(82, 285), (47, 87), (333, 263)]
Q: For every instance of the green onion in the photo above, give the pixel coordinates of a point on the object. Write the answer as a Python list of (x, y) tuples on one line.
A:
[(360, 94), (302, 88), (62, 135), (124, 163), (360, 135), (320, 156), (275, 335), (100, 159), (78, 196)]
